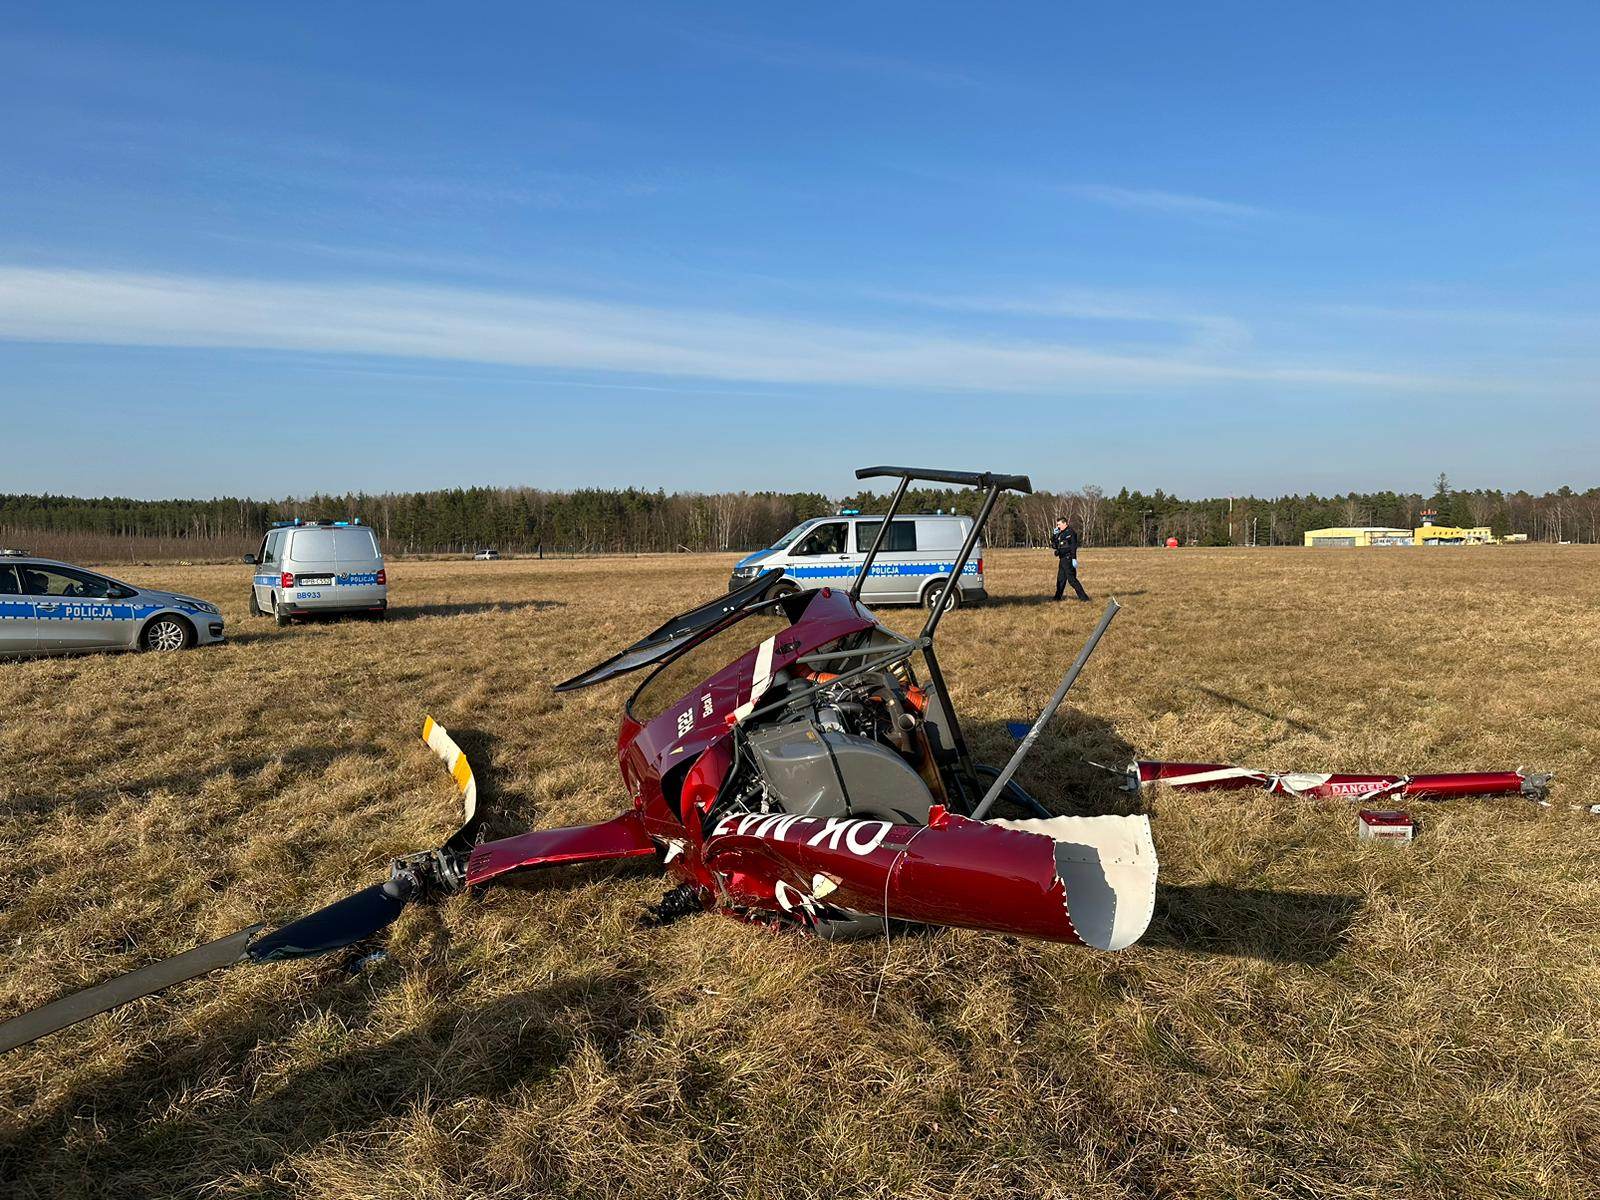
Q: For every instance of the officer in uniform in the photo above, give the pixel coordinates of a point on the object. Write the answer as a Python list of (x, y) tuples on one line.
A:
[(1064, 541)]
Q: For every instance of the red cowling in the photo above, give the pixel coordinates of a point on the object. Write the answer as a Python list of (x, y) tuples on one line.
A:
[(620, 837), (1205, 776), (1088, 880)]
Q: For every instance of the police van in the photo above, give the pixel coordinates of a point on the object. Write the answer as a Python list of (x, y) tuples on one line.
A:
[(911, 568), (306, 568)]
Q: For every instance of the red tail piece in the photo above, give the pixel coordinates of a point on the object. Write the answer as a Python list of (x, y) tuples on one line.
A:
[(1087, 880)]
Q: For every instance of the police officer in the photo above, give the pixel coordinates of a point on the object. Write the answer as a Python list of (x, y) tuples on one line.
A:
[(1064, 541)]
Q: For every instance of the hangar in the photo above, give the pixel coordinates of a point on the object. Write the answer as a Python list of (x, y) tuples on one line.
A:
[(1359, 535), (1422, 535)]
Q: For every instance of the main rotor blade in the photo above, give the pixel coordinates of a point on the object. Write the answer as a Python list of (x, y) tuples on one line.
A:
[(93, 1001), (343, 922)]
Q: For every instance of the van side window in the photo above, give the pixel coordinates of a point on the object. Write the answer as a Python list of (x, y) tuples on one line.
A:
[(269, 549), (902, 536), (824, 539), (10, 585)]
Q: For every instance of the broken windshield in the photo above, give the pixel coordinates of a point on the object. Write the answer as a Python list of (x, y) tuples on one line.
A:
[(676, 635)]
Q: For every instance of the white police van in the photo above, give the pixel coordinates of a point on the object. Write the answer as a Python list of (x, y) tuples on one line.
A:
[(306, 568), (911, 568)]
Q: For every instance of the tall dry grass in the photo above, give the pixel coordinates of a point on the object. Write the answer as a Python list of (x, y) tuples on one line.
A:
[(1308, 1016)]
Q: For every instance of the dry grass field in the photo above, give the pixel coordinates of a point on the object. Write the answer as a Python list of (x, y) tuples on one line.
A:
[(1306, 1017)]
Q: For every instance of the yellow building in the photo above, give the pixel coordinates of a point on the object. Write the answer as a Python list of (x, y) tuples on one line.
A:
[(1360, 535), (1451, 535), (1378, 535)]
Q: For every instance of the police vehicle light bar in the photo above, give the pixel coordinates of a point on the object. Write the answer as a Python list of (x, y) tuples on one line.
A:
[(4, 553)]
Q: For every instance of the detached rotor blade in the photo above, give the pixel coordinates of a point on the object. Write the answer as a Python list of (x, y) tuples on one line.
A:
[(338, 925), (341, 924), (93, 1001)]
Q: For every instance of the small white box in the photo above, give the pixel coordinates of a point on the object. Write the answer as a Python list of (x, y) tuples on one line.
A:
[(1385, 825)]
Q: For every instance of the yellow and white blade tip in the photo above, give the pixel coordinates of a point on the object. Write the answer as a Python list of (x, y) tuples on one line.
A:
[(442, 744)]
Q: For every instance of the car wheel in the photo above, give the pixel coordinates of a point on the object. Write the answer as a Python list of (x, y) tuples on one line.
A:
[(255, 609), (931, 596), (780, 591), (167, 633), (281, 613)]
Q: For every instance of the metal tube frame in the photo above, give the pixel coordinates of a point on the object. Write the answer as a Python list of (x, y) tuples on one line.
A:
[(973, 534), (1026, 744), (878, 540)]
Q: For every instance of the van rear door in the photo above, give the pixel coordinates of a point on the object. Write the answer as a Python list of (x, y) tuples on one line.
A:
[(337, 567), (941, 539)]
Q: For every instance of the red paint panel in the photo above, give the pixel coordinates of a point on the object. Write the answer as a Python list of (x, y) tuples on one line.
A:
[(1479, 783), (968, 874), (620, 837)]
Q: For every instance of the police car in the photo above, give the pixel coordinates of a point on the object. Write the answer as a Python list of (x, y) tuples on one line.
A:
[(49, 607)]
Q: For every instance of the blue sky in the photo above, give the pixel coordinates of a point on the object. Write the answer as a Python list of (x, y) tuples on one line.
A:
[(261, 249)]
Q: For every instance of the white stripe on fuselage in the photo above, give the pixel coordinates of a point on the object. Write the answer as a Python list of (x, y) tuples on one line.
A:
[(760, 679)]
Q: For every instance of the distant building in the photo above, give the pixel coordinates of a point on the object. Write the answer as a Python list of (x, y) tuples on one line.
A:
[(1360, 535), (1450, 535), (1423, 535)]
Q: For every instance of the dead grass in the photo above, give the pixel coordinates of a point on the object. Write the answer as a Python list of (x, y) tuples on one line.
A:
[(1307, 1017)]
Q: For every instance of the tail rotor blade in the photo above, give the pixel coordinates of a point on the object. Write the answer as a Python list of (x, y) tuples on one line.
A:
[(91, 1002), (342, 923)]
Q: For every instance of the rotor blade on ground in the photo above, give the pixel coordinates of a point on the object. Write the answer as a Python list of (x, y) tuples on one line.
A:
[(90, 1002), (1445, 786), (342, 923)]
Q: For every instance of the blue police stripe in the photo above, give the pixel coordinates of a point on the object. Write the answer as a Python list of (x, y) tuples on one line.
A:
[(75, 610), (832, 570)]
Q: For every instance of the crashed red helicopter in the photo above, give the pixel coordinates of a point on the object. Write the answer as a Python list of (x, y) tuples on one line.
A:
[(791, 761)]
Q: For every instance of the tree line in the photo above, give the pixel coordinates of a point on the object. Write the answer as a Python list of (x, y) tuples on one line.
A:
[(632, 520)]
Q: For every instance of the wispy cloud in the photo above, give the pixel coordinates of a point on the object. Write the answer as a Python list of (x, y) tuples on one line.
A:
[(1199, 330), (562, 333), (1581, 322), (1177, 204)]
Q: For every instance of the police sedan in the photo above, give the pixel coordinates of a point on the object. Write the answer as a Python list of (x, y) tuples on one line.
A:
[(49, 607)]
